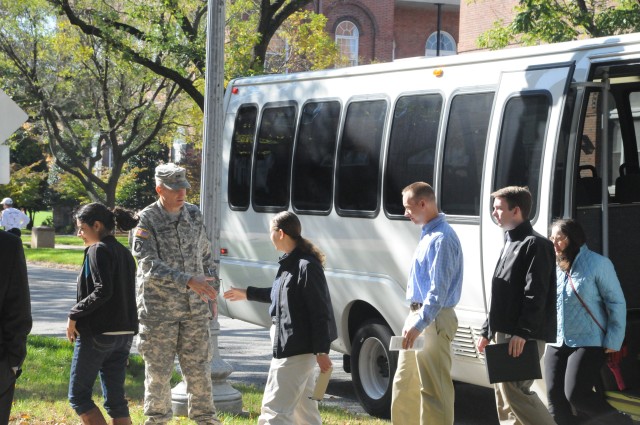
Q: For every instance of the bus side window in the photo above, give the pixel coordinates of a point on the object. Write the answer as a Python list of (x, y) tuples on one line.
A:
[(626, 156), (273, 159), (240, 158), (521, 143), (588, 190), (359, 158), (463, 158), (412, 146), (314, 157)]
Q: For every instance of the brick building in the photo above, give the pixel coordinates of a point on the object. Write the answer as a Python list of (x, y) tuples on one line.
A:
[(477, 16), (383, 30)]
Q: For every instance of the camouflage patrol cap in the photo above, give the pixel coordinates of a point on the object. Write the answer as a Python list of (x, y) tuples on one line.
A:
[(172, 176)]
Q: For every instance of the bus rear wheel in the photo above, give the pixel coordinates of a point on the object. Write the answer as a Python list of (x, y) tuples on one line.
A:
[(373, 367)]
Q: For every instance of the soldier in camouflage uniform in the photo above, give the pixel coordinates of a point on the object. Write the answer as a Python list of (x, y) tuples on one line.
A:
[(175, 266)]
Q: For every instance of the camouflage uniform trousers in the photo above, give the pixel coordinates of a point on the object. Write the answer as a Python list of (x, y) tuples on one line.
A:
[(157, 344)]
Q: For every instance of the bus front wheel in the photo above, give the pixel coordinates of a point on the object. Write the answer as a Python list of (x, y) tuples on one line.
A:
[(373, 367)]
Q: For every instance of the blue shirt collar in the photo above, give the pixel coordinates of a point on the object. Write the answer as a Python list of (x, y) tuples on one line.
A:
[(428, 227)]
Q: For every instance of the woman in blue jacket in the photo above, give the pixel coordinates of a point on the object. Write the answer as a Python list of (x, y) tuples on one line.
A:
[(104, 319), (591, 322)]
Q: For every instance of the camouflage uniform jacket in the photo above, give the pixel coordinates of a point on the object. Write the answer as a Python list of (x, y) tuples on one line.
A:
[(170, 251)]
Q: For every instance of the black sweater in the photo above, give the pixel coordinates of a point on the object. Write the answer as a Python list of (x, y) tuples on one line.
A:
[(523, 289), (106, 290), (300, 308), (15, 304)]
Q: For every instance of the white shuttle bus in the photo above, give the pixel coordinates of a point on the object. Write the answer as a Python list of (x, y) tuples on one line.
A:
[(338, 146)]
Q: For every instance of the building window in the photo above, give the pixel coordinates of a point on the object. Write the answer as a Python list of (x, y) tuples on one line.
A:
[(447, 44), (277, 56), (347, 36)]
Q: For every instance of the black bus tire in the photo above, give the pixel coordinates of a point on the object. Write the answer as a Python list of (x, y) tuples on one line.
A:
[(373, 367)]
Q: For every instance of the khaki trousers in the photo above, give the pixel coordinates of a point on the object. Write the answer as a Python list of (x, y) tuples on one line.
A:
[(423, 391), (286, 395), (516, 403)]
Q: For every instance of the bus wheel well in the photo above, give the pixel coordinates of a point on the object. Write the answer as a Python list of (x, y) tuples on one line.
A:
[(359, 313)]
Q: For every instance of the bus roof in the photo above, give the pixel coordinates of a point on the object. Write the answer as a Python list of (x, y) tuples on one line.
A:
[(602, 43)]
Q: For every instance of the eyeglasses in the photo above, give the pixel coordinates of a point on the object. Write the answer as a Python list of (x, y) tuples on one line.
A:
[(558, 238)]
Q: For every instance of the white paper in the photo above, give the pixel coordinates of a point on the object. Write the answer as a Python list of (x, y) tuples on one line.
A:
[(321, 385), (396, 343)]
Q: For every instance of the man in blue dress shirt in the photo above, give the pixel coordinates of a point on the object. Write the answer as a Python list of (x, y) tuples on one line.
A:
[(422, 386)]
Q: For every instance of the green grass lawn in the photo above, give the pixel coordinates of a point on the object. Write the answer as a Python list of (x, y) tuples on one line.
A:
[(71, 257), (63, 256), (41, 391), (42, 216)]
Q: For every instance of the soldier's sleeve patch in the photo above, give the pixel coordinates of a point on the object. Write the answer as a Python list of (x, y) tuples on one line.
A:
[(137, 246), (142, 233)]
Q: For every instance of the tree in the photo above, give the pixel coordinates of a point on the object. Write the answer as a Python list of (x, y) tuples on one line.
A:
[(28, 185), (168, 36), (304, 45), (137, 187), (551, 21), (97, 109)]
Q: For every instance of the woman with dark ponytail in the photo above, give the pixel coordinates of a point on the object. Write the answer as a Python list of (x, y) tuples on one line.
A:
[(303, 325), (591, 312), (104, 320)]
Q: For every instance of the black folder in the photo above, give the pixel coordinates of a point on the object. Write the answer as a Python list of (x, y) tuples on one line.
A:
[(502, 367)]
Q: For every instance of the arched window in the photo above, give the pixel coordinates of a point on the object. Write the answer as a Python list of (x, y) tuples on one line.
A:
[(277, 56), (447, 44), (347, 36)]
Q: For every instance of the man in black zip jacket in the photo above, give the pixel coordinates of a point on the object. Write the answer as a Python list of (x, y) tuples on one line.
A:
[(523, 300), (15, 318)]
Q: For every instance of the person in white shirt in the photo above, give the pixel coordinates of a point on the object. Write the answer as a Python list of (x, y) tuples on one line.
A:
[(13, 219)]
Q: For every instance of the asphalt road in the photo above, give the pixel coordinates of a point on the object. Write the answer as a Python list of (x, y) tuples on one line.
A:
[(244, 346)]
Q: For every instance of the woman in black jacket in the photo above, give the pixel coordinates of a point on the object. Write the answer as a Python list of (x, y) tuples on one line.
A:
[(303, 325), (104, 320)]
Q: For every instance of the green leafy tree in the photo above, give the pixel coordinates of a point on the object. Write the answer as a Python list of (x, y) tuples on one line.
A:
[(66, 189), (137, 188), (242, 18), (551, 21), (168, 36), (303, 45), (26, 188), (28, 185), (98, 110)]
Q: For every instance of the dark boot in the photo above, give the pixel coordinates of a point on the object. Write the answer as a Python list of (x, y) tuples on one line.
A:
[(121, 421), (93, 417)]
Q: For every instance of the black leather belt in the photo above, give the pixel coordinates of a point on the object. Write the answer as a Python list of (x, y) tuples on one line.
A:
[(415, 306)]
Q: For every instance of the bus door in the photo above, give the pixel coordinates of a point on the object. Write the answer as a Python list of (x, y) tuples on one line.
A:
[(525, 126), (606, 199), (607, 175)]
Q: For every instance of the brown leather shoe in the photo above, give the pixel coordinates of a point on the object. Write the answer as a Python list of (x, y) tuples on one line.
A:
[(93, 417), (121, 421)]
